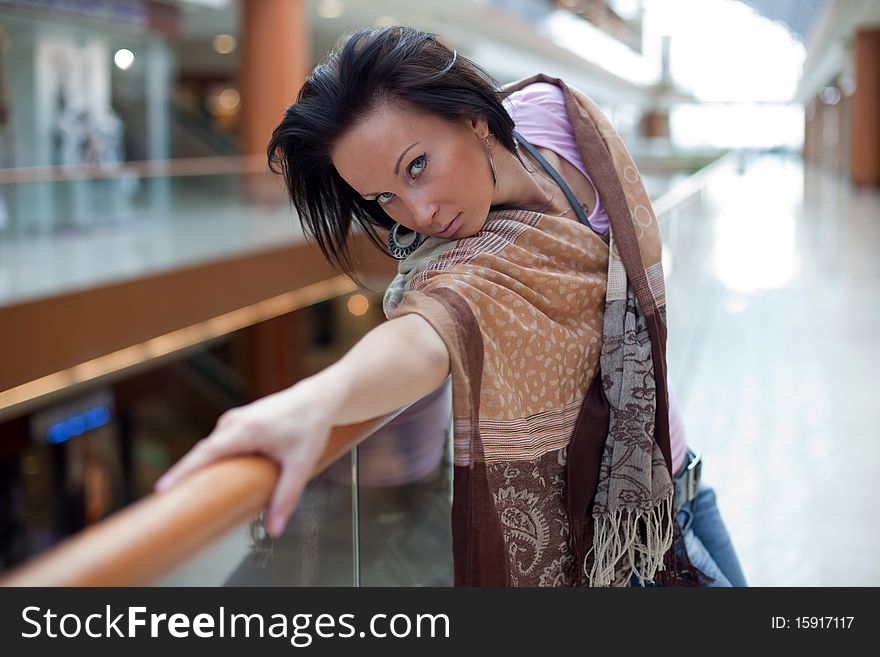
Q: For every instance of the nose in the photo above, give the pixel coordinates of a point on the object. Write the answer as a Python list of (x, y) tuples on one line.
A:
[(424, 213)]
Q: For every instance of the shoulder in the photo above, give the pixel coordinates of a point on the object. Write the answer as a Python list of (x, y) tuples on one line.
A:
[(538, 92), (538, 100)]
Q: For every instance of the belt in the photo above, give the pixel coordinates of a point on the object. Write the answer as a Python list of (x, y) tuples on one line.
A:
[(688, 479)]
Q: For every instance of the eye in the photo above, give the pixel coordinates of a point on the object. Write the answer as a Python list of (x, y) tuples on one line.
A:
[(384, 198), (418, 166)]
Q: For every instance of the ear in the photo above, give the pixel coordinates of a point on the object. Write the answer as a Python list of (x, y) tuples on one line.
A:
[(480, 126)]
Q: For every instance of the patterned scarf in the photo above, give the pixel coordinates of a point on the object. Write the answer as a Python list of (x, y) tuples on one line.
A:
[(557, 344)]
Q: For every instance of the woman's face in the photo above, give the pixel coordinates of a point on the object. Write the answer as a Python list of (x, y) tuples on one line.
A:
[(429, 174)]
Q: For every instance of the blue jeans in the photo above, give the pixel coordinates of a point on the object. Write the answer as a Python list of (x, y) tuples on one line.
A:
[(706, 539)]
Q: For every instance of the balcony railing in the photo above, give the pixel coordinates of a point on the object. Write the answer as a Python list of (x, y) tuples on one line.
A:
[(151, 538)]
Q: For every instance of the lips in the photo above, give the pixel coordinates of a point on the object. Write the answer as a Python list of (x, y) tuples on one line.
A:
[(451, 227)]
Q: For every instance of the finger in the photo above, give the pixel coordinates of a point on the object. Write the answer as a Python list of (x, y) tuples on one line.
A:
[(284, 499), (204, 452)]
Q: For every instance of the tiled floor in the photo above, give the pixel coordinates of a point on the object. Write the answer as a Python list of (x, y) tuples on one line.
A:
[(774, 337)]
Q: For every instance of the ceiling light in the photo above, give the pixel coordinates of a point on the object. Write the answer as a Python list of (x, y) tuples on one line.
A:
[(830, 95), (229, 99), (224, 44), (358, 305), (330, 9), (123, 59)]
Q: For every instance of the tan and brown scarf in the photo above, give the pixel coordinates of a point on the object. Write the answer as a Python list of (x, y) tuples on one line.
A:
[(557, 343)]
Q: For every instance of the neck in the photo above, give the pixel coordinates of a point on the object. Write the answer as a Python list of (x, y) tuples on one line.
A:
[(517, 187)]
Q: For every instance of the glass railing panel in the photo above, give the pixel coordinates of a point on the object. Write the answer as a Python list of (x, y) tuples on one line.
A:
[(51, 201), (405, 497), (64, 235), (316, 548)]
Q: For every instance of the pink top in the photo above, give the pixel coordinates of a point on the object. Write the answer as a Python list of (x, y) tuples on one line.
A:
[(538, 112), (539, 115)]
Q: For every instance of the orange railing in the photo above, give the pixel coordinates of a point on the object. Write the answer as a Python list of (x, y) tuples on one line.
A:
[(151, 538)]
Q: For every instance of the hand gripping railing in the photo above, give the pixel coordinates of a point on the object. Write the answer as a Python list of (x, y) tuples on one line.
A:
[(149, 539)]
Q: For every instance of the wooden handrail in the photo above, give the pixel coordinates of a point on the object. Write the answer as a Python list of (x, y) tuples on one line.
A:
[(149, 539)]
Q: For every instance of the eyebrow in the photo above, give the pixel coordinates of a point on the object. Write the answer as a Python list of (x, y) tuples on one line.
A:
[(396, 167)]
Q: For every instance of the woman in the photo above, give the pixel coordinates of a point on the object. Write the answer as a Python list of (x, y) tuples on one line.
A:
[(532, 276)]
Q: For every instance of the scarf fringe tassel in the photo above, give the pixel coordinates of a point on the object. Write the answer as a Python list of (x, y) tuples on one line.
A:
[(627, 543)]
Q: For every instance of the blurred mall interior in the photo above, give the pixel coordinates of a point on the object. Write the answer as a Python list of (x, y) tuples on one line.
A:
[(152, 275)]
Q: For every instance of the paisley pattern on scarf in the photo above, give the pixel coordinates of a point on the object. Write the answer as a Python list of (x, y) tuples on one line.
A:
[(527, 495)]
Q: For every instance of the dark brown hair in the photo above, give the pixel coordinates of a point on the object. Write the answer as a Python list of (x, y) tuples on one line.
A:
[(370, 67)]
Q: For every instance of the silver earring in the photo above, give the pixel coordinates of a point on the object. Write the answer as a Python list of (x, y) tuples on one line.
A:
[(399, 251), (491, 161)]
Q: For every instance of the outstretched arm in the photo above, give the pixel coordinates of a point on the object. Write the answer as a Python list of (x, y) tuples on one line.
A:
[(395, 364)]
